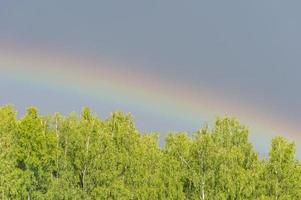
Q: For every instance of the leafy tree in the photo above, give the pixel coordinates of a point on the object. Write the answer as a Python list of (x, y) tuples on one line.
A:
[(8, 125), (34, 156), (218, 163), (282, 173)]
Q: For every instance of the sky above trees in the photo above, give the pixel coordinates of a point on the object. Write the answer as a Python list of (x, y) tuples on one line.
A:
[(246, 51)]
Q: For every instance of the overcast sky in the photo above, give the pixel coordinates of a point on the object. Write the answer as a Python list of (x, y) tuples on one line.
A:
[(249, 50)]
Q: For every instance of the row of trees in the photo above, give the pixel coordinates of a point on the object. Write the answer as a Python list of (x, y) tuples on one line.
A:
[(85, 157)]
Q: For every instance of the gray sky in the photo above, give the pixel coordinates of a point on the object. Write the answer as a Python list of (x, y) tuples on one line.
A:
[(247, 50)]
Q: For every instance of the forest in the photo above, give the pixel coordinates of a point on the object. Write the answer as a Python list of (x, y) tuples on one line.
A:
[(82, 156)]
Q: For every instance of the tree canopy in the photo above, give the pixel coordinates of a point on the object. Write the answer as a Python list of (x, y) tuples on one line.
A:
[(86, 157)]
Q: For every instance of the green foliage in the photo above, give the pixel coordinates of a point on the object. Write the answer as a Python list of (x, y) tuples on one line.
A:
[(85, 157), (282, 172), (218, 163)]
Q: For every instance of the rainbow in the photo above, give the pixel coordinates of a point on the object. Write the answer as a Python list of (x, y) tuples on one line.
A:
[(151, 93)]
